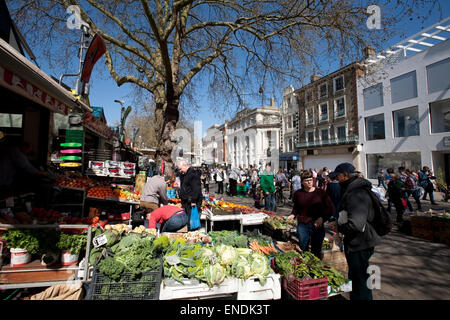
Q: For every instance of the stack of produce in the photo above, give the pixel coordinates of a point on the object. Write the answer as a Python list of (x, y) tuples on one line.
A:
[(229, 238), (143, 229), (279, 222), (213, 264), (43, 215), (191, 237), (306, 266), (102, 192), (127, 194), (78, 182)]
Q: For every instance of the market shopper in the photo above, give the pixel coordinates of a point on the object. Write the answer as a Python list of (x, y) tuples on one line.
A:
[(170, 219), (382, 179), (268, 188), (356, 211), (415, 190), (312, 208), (296, 184), (396, 193), (233, 177), (334, 192), (13, 161), (281, 180), (220, 178), (191, 188), (425, 181), (155, 193)]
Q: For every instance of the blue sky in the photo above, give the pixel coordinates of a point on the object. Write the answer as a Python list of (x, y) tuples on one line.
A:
[(104, 90)]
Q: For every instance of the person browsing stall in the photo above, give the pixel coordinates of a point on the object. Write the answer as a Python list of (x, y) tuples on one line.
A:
[(170, 218), (155, 193)]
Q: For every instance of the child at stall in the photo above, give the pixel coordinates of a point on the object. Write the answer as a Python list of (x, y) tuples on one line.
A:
[(258, 198)]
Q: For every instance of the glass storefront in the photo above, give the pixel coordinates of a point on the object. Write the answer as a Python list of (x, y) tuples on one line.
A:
[(378, 161)]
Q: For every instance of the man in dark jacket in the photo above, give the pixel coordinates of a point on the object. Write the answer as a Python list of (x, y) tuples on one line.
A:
[(360, 238), (190, 189)]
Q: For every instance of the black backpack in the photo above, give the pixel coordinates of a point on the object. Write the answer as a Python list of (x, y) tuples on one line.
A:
[(381, 221)]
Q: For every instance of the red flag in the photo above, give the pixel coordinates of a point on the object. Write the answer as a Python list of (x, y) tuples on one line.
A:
[(96, 49)]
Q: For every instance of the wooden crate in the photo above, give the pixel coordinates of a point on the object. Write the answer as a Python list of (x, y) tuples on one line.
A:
[(441, 230), (421, 222), (337, 260)]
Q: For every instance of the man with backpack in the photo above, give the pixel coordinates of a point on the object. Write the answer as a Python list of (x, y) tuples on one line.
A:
[(362, 220)]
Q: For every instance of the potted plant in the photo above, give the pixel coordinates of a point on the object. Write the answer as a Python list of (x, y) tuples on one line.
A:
[(22, 244), (70, 246)]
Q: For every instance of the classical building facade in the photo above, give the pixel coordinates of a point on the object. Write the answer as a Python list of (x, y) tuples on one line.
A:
[(213, 146), (253, 137), (289, 156)]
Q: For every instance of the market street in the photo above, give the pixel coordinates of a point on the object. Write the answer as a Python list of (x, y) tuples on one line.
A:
[(411, 268)]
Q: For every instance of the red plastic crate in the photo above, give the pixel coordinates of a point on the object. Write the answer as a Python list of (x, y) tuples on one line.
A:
[(307, 289), (126, 216)]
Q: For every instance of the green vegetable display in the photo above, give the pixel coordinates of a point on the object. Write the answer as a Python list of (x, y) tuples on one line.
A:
[(307, 266), (229, 238), (72, 242), (111, 268), (279, 222), (34, 241), (262, 240)]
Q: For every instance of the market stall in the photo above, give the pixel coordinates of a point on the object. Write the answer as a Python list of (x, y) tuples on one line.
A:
[(431, 225)]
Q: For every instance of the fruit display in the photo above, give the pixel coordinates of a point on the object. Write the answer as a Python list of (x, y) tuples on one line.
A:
[(127, 195), (175, 200), (103, 192), (143, 229), (118, 227), (77, 182), (43, 215), (191, 237)]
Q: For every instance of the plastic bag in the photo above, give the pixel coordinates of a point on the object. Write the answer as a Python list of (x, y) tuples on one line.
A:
[(195, 219)]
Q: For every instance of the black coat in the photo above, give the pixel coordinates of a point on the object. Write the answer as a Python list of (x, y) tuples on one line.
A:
[(358, 233), (191, 187)]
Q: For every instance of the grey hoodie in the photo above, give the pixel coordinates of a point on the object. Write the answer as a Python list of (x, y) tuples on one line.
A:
[(358, 233)]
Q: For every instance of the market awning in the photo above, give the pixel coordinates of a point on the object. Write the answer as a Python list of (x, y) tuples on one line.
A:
[(21, 76)]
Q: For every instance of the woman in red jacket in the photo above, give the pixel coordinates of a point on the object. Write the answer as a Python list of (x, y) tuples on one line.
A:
[(170, 218)]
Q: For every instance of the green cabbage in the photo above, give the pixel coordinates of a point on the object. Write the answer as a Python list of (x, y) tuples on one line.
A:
[(214, 274)]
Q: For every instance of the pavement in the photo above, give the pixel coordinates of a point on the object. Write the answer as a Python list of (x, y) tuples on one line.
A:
[(410, 268)]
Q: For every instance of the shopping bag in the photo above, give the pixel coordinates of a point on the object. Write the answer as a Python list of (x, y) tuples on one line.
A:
[(195, 219), (405, 204)]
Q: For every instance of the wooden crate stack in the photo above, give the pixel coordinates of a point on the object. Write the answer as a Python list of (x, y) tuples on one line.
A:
[(441, 230)]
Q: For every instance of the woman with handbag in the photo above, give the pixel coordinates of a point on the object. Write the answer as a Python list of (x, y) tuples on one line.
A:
[(427, 185), (396, 193)]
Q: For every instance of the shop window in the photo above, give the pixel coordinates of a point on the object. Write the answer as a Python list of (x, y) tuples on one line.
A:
[(440, 116), (375, 127), (11, 120), (378, 161), (404, 87), (373, 96), (438, 76), (406, 122)]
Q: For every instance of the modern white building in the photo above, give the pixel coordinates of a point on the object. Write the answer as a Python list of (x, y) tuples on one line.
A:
[(253, 137), (404, 105), (213, 142)]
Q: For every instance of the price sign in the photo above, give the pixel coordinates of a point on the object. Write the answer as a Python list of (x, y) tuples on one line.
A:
[(99, 240)]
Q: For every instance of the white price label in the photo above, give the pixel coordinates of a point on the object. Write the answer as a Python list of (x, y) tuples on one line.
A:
[(99, 240)]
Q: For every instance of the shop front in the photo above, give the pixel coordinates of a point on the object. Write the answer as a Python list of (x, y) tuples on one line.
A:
[(289, 160)]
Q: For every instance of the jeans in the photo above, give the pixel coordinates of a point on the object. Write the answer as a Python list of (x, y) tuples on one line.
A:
[(358, 262), (175, 223), (382, 183), (431, 195), (269, 202), (307, 233), (415, 194)]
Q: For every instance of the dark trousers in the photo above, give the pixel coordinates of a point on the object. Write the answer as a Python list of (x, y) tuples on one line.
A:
[(399, 208), (233, 187), (358, 262), (220, 184), (415, 194), (307, 234)]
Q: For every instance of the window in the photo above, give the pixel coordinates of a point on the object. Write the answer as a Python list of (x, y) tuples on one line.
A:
[(375, 127), (338, 83), (323, 90), (340, 107), (373, 96), (11, 120), (324, 134), (440, 116), (378, 161), (438, 76), (406, 122), (404, 87), (269, 138), (310, 136), (323, 112), (290, 145), (309, 117), (341, 134)]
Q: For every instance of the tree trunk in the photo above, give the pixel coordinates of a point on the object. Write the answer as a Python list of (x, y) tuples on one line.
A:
[(166, 119)]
